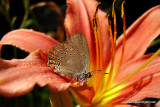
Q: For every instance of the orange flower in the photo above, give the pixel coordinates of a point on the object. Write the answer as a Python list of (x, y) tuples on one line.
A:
[(137, 75), (132, 75)]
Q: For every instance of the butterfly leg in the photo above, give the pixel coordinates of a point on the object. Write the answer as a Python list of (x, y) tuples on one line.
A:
[(85, 80)]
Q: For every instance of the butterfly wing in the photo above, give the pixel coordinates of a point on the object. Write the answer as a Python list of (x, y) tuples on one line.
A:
[(72, 57)]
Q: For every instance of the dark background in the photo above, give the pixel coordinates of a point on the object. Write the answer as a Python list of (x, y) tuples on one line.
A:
[(133, 9)]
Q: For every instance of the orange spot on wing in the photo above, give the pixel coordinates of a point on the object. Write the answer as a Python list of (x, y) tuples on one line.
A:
[(52, 56), (52, 66), (54, 62)]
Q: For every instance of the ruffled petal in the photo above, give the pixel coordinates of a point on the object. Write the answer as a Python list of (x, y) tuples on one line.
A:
[(139, 35), (79, 20), (19, 76), (131, 66), (83, 95), (29, 40)]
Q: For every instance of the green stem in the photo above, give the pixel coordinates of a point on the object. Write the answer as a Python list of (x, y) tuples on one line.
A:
[(14, 52), (26, 6)]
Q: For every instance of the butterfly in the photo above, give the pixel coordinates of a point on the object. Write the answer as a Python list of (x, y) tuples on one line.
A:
[(71, 59)]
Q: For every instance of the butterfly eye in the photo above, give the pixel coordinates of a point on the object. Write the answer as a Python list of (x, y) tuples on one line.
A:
[(89, 75)]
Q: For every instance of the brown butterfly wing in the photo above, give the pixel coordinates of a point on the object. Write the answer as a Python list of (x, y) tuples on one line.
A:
[(72, 57)]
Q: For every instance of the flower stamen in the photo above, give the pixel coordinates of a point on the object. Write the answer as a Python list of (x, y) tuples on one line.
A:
[(113, 41), (111, 92), (99, 55), (124, 39)]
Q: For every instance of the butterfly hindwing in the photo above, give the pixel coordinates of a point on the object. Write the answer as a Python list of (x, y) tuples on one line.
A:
[(70, 58)]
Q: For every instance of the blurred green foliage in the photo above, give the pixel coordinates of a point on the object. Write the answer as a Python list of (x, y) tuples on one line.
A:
[(39, 97)]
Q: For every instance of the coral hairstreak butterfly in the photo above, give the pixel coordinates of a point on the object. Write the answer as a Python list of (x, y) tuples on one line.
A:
[(71, 59)]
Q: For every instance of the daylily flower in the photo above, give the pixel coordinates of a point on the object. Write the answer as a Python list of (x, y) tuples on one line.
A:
[(126, 81)]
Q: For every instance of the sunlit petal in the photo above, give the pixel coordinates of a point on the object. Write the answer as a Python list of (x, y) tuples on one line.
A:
[(29, 40), (131, 66), (139, 35)]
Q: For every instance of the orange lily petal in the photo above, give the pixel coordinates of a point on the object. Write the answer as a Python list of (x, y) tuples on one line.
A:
[(78, 19), (131, 66), (139, 35), (29, 40), (83, 94), (18, 76), (147, 86), (60, 99)]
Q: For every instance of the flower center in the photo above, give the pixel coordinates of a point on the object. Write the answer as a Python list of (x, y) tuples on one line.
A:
[(109, 89)]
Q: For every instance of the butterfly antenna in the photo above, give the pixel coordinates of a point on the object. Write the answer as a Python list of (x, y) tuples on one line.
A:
[(95, 71)]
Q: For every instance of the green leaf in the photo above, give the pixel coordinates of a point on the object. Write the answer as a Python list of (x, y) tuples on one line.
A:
[(13, 20), (155, 42)]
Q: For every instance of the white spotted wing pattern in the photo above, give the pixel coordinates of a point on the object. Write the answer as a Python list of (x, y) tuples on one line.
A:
[(71, 58)]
